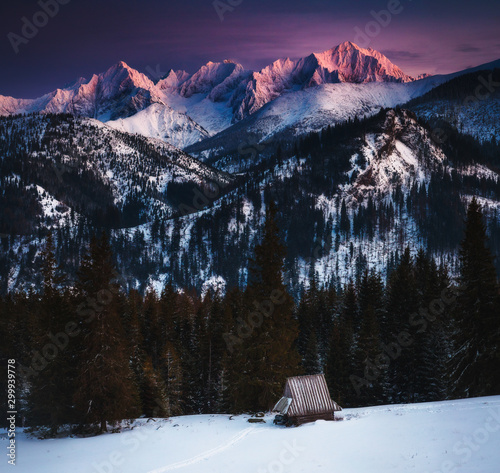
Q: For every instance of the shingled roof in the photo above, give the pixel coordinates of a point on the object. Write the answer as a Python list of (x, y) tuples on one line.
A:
[(306, 396)]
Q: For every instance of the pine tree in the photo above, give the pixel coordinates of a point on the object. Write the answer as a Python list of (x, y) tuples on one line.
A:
[(431, 344), (172, 373), (475, 365), (153, 395), (188, 343), (268, 355), (311, 362), (368, 350), (50, 399), (340, 363), (344, 223), (105, 383), (402, 302)]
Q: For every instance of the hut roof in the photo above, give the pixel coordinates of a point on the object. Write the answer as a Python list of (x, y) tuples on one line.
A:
[(306, 395)]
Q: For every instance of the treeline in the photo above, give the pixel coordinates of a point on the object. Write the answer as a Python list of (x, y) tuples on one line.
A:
[(91, 354), (459, 88)]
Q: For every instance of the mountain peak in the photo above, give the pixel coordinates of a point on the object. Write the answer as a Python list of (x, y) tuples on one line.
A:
[(121, 65), (347, 45), (355, 64), (210, 76)]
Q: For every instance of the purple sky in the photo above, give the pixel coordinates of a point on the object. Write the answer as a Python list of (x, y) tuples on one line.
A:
[(88, 36)]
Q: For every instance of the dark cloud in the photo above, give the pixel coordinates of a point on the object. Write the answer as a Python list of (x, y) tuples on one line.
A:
[(467, 48), (395, 55)]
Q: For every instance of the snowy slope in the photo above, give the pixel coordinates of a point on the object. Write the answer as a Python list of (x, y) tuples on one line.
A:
[(296, 113), (214, 117), (163, 122), (313, 109), (460, 436), (479, 119), (124, 164), (346, 62)]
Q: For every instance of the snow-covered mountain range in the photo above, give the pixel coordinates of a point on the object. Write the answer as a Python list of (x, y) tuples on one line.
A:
[(183, 109), (72, 174)]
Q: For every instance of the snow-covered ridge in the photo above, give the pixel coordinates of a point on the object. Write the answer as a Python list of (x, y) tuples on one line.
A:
[(122, 91), (402, 156), (125, 166), (345, 63), (163, 122)]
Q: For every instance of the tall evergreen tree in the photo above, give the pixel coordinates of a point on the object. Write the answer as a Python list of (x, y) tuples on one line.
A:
[(399, 343), (344, 222), (340, 363), (51, 390), (106, 390), (368, 350), (475, 364), (268, 355), (431, 344)]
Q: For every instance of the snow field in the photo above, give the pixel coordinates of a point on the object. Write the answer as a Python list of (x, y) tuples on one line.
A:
[(459, 436)]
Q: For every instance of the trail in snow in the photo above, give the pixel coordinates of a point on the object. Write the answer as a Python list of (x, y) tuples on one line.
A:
[(207, 454), (460, 435)]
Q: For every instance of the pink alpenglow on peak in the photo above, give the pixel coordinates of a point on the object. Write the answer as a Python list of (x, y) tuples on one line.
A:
[(218, 94), (358, 65), (346, 62)]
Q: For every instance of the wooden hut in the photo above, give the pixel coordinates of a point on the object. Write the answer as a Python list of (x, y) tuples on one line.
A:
[(306, 399)]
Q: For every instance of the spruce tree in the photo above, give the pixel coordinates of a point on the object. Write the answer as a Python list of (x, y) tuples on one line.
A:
[(399, 343), (368, 350), (152, 390), (106, 389), (431, 344), (475, 364), (344, 222), (268, 355), (340, 362), (311, 362), (51, 390)]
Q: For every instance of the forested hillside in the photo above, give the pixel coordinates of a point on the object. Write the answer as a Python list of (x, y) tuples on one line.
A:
[(420, 337)]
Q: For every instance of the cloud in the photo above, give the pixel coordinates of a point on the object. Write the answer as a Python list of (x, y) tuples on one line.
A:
[(396, 55), (467, 48)]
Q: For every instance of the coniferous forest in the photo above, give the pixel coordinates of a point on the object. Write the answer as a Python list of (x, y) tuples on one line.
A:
[(92, 354)]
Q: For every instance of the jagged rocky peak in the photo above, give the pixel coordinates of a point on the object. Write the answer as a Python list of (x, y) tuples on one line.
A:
[(346, 62), (173, 80), (355, 64), (121, 75), (209, 76)]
